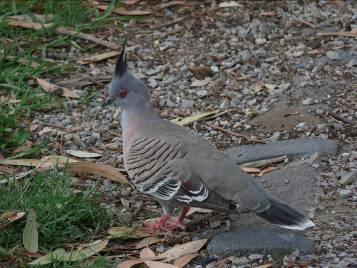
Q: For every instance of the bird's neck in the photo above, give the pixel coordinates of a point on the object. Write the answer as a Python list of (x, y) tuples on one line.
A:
[(134, 120)]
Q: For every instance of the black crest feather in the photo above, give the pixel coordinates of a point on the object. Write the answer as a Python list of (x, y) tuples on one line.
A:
[(122, 64)]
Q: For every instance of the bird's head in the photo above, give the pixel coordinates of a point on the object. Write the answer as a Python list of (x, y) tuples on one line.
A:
[(125, 90)]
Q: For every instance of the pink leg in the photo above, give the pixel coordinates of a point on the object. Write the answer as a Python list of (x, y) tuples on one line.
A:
[(171, 225), (166, 224), (159, 225)]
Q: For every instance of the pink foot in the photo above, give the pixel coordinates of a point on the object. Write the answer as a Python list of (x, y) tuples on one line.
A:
[(167, 224), (158, 225)]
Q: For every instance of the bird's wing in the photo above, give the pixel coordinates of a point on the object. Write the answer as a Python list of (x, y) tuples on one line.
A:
[(159, 168)]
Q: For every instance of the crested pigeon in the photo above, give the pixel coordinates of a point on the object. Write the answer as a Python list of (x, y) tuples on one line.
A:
[(181, 169)]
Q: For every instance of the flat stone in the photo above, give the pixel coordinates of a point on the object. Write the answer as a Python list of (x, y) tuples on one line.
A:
[(248, 153), (345, 193), (348, 178), (332, 55), (283, 118), (262, 240)]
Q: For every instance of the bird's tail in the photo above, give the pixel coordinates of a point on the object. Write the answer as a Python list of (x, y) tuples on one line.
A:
[(285, 217)]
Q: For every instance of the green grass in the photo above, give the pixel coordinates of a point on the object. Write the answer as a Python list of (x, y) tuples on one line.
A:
[(16, 80), (64, 215)]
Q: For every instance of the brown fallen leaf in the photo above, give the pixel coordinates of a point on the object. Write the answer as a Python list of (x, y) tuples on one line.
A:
[(131, 2), (103, 170), (45, 161), (181, 250), (184, 260), (193, 118), (157, 264), (29, 24), (251, 169), (56, 90), (39, 17), (267, 170), (98, 57), (169, 4), (7, 218), (83, 154), (147, 241), (267, 265), (7, 100), (22, 148), (346, 34), (124, 12), (201, 72), (129, 263), (198, 210), (147, 253), (23, 61)]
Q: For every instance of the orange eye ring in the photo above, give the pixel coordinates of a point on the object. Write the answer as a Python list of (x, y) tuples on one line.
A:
[(123, 92)]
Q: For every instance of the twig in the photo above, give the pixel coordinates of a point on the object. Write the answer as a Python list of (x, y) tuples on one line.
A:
[(228, 132), (346, 34), (137, 211), (88, 37), (305, 23), (166, 24), (265, 162), (341, 118)]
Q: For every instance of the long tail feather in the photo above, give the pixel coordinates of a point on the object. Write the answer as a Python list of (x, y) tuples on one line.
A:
[(285, 217)]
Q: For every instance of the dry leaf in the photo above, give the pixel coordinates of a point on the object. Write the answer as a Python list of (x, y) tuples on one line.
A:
[(181, 250), (40, 17), (30, 233), (201, 83), (267, 170), (57, 90), (147, 241), (184, 260), (103, 170), (128, 232), (198, 210), (33, 127), (98, 57), (29, 24), (124, 12), (251, 169), (193, 118), (267, 265), (7, 218), (169, 4), (200, 72), (23, 61), (147, 253), (346, 34), (229, 4), (157, 264), (79, 254), (131, 2), (83, 154), (129, 263), (46, 161)]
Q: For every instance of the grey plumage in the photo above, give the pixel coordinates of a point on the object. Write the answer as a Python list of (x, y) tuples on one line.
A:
[(181, 169)]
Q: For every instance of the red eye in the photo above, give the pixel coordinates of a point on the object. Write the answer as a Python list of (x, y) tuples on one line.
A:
[(123, 92)]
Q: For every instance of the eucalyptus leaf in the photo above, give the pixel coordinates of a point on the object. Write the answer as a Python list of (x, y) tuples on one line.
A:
[(30, 233)]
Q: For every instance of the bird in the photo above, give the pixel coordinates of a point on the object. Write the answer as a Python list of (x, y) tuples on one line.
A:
[(181, 169)]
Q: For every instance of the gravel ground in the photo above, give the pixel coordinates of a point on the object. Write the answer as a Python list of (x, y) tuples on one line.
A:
[(263, 62)]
